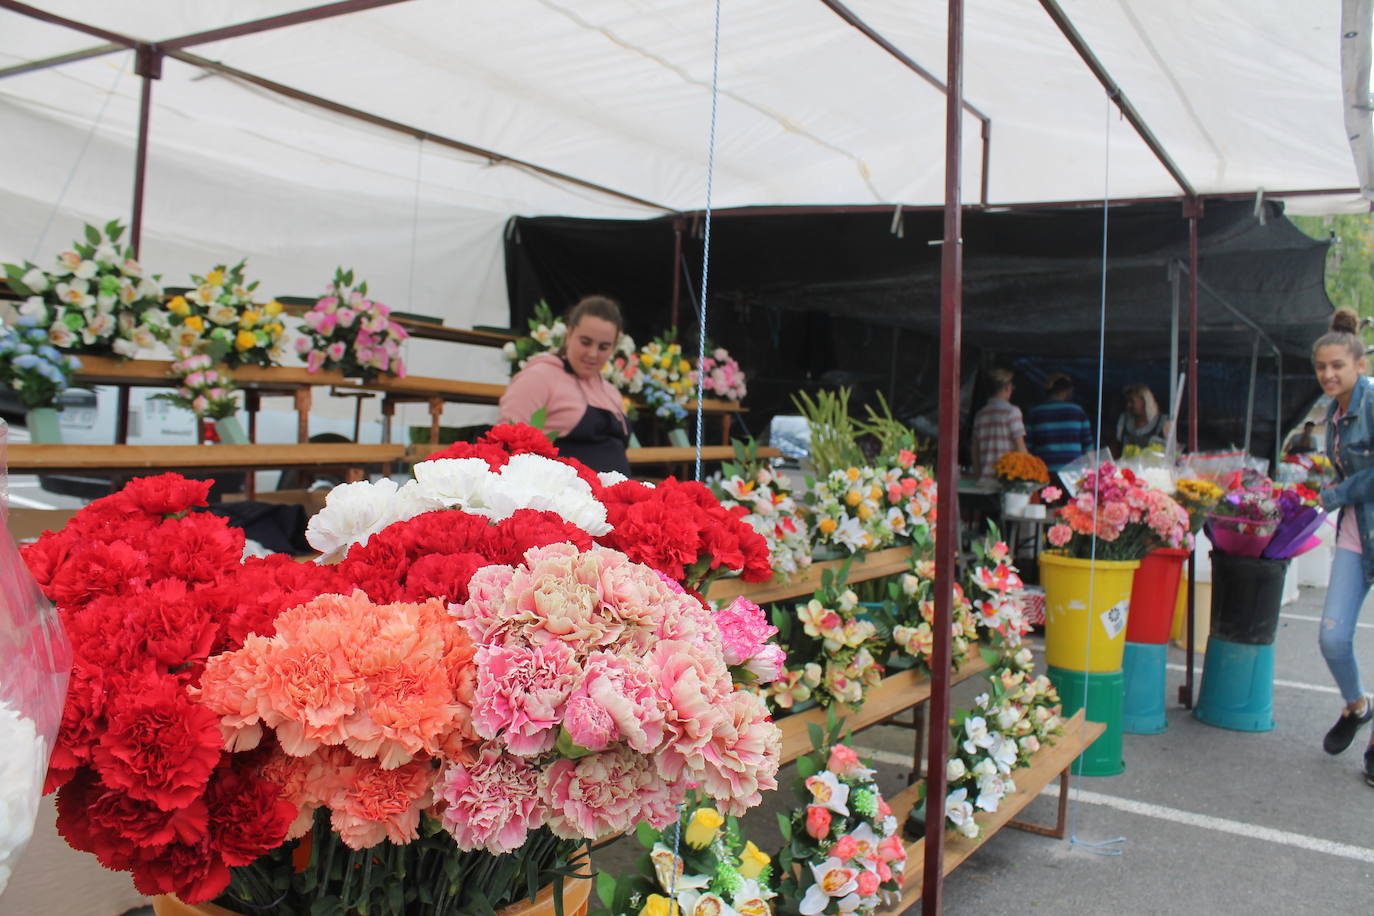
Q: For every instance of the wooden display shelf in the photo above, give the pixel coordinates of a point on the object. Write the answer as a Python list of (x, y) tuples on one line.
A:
[(655, 455), (1052, 760), (874, 565), (896, 693), (39, 459), (107, 370)]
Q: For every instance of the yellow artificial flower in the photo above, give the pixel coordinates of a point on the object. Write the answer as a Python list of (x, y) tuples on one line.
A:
[(752, 861), (701, 829), (647, 359), (273, 308), (179, 306), (249, 318), (853, 497), (827, 526), (865, 512), (684, 366), (245, 340), (665, 362), (215, 278), (195, 323), (659, 905), (875, 493), (853, 473), (275, 328)]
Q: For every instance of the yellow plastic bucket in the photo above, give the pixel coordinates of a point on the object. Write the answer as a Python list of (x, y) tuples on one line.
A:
[(1079, 637), (1202, 615)]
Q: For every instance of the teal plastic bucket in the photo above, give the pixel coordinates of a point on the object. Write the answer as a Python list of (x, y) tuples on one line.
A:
[(1142, 665), (1237, 686), (1104, 693)]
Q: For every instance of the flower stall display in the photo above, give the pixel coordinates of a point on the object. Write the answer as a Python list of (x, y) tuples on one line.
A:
[(220, 317), (767, 496), (668, 385), (1007, 724), (1020, 474), (346, 330), (94, 298), (207, 392), (871, 507), (546, 333), (470, 697), (700, 865), (842, 851), (1116, 516), (33, 368), (832, 644), (722, 376)]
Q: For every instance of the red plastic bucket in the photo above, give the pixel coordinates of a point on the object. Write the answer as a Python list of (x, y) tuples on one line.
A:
[(1154, 591)]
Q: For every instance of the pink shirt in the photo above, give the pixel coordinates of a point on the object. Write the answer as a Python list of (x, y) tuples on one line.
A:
[(544, 382), (1348, 530)]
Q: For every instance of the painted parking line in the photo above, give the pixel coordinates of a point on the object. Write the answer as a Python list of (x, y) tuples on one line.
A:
[(1278, 682), (1176, 815), (1219, 824), (1363, 626)]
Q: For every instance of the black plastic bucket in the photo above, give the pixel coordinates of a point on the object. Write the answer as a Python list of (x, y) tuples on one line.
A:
[(1247, 593)]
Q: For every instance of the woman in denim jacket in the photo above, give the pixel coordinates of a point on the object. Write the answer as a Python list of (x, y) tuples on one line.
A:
[(1338, 357)]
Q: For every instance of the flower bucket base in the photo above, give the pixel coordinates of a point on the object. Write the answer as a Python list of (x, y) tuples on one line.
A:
[(1202, 615), (1237, 687), (230, 431), (577, 893), (1153, 591), (1079, 637), (1103, 691), (169, 905), (44, 425), (1015, 503), (1142, 707), (1247, 594), (678, 437)]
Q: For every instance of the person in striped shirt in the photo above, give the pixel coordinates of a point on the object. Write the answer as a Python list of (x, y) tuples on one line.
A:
[(1057, 429)]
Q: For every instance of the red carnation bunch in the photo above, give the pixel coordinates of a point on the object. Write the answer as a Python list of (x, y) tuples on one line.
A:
[(681, 529), (138, 763)]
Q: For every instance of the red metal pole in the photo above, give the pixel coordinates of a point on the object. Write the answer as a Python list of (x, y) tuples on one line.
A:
[(148, 64), (677, 268), (947, 469), (1193, 210)]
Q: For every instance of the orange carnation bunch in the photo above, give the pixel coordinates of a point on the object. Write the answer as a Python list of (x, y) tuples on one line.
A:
[(1021, 467)]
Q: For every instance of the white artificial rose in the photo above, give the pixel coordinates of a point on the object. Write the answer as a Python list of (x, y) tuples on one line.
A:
[(955, 769), (35, 279)]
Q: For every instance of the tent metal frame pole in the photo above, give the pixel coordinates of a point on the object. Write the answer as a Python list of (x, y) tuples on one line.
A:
[(677, 268), (34, 66), (34, 12), (147, 64), (1192, 211), (1278, 409), (1117, 95), (873, 35), (947, 470), (284, 20), (1250, 400), (1173, 337)]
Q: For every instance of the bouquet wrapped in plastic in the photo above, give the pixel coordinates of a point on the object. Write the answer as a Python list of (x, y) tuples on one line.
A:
[(33, 690)]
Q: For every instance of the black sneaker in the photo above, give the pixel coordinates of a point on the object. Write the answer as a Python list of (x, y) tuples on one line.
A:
[(1369, 765), (1343, 732)]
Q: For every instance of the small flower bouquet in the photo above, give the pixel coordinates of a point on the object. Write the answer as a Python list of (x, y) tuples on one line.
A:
[(201, 388), (352, 333), (1197, 497), (668, 385), (838, 638), (1116, 516), (721, 375), (94, 299), (842, 850), (752, 483), (31, 367), (1021, 472), (220, 317), (623, 369), (701, 865), (871, 507), (1006, 726), (546, 333), (912, 602), (1243, 522)]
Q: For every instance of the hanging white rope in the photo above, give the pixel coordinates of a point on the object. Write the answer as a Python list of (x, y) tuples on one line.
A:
[(415, 223), (76, 164), (706, 237), (1104, 847)]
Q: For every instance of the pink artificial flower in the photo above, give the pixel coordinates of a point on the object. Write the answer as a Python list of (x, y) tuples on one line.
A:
[(346, 317), (845, 848), (327, 323), (868, 883), (817, 822), (1051, 494), (336, 351), (769, 665), (1059, 535), (842, 761), (327, 305), (304, 344), (522, 694), (491, 803), (315, 361), (890, 849)]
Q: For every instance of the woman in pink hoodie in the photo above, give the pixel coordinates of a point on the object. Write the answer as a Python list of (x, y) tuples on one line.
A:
[(582, 407)]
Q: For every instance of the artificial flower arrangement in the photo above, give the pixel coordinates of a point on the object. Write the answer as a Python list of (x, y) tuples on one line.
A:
[(207, 392), (870, 507), (1007, 724), (1266, 520), (546, 333), (1313, 470), (1197, 497), (833, 646), (31, 367), (700, 865), (721, 375), (292, 736), (842, 851), (347, 331), (667, 385), (1115, 516), (1021, 472), (94, 299), (623, 370), (751, 482), (219, 317)]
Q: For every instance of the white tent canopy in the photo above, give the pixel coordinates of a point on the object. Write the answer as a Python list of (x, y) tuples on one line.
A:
[(1243, 97)]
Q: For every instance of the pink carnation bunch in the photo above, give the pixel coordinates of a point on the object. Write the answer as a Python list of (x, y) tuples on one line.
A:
[(721, 375), (745, 633), (602, 692), (1122, 513)]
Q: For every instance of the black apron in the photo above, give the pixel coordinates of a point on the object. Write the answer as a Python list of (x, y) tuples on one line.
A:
[(598, 440)]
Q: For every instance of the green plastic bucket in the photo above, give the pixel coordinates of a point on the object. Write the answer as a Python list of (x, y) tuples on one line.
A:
[(1105, 691)]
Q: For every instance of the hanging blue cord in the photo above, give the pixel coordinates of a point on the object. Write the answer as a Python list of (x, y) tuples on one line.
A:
[(706, 239)]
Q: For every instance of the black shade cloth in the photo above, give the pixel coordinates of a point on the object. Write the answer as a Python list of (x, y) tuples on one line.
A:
[(278, 527), (805, 299)]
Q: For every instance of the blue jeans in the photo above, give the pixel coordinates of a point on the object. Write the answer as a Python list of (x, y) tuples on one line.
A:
[(1344, 595)]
